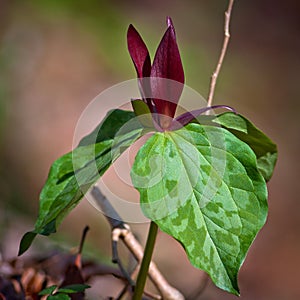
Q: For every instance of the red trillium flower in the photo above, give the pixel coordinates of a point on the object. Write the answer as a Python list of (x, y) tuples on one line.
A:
[(160, 95), (161, 83)]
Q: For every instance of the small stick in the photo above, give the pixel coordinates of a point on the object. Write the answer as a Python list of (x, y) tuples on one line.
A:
[(78, 256), (123, 291), (215, 74), (115, 221), (85, 230), (122, 230), (165, 289), (116, 260)]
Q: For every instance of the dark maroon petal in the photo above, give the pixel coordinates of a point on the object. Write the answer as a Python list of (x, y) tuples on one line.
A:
[(167, 64), (189, 116), (141, 59), (138, 52), (170, 22)]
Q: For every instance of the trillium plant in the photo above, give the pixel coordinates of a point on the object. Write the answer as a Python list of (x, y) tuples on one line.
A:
[(201, 177)]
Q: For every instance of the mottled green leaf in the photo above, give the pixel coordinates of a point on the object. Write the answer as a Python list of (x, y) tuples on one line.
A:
[(264, 148), (74, 173), (143, 112), (109, 127), (26, 241), (59, 297), (48, 291), (73, 288), (201, 185)]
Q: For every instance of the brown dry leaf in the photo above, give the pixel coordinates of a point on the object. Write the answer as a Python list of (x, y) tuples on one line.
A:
[(73, 273), (11, 289), (24, 279), (73, 276)]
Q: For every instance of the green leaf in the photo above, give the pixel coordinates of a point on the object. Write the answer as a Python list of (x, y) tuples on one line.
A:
[(26, 241), (201, 185), (72, 175), (48, 291), (73, 288), (59, 297), (143, 112), (109, 127), (263, 147)]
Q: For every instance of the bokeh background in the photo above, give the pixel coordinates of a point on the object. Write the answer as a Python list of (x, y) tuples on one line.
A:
[(56, 56)]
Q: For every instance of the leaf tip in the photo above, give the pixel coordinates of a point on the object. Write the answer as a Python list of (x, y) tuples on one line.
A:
[(26, 242)]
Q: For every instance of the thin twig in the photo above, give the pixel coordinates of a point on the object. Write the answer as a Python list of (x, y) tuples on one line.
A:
[(110, 213), (123, 292), (123, 231), (166, 290), (85, 230), (116, 260), (215, 74)]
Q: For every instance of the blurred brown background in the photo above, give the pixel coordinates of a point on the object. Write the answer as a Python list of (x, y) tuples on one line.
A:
[(55, 56)]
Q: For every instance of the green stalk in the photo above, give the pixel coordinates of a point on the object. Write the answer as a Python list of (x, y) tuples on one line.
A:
[(141, 280)]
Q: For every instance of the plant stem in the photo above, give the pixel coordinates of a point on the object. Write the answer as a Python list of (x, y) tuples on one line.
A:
[(121, 230), (141, 280)]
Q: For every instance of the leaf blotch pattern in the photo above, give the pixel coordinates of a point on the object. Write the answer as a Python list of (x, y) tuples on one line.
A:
[(210, 196)]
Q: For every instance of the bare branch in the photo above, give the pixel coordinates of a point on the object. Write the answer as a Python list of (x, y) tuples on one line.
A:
[(85, 230), (121, 230), (215, 74)]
